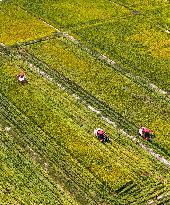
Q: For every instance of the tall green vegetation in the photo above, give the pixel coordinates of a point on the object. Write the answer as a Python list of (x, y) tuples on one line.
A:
[(133, 101), (49, 154), (17, 25), (59, 131)]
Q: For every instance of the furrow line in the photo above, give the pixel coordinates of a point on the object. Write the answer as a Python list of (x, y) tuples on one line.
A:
[(158, 198), (38, 40), (42, 160), (98, 112), (65, 83), (137, 79), (136, 12)]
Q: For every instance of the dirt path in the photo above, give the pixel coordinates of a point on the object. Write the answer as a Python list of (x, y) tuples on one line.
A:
[(91, 107)]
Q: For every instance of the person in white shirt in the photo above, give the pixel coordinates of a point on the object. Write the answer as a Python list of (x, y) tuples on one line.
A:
[(22, 78)]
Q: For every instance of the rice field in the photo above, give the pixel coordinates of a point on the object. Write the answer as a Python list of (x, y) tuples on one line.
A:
[(89, 64)]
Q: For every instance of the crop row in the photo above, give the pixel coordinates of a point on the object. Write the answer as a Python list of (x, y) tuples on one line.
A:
[(70, 183), (97, 79), (67, 14), (18, 26), (135, 44), (61, 167), (87, 98), (72, 138), (71, 86), (136, 41), (58, 130), (21, 181)]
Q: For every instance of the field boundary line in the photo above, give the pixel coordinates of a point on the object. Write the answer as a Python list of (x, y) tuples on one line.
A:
[(106, 119), (158, 198), (135, 78), (38, 40), (39, 71), (138, 79), (137, 12), (98, 55)]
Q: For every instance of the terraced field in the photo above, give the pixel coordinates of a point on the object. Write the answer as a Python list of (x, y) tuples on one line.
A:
[(89, 64)]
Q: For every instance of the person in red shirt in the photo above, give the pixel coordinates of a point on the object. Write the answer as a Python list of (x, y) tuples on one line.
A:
[(100, 134), (146, 133)]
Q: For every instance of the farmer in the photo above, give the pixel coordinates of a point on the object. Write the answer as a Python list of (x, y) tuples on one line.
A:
[(22, 78), (145, 133), (100, 134)]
